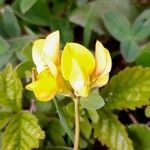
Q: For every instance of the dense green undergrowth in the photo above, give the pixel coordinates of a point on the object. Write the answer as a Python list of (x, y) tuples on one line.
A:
[(123, 26)]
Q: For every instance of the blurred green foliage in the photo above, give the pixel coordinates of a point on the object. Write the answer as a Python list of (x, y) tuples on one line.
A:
[(125, 23)]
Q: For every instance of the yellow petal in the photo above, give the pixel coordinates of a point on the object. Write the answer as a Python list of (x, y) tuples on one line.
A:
[(101, 81), (44, 89), (52, 67), (79, 79), (37, 54), (83, 56), (63, 86), (51, 48), (44, 74), (84, 91), (66, 62), (103, 59), (109, 63)]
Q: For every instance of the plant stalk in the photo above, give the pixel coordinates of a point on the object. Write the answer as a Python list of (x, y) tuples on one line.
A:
[(77, 124)]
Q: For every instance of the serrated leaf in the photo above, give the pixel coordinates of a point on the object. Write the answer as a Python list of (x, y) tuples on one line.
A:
[(147, 111), (117, 25), (98, 9), (140, 135), (10, 22), (140, 28), (26, 5), (128, 89), (130, 50), (93, 101), (10, 89), (4, 118), (23, 132), (111, 132)]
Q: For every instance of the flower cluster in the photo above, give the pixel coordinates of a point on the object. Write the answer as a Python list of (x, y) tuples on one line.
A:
[(73, 72)]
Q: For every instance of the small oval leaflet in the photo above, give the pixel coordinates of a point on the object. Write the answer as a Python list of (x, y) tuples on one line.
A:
[(93, 101)]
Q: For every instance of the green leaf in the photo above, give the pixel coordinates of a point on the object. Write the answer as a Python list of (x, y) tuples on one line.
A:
[(83, 143), (147, 111), (56, 125), (117, 25), (59, 7), (58, 148), (70, 109), (43, 119), (98, 9), (93, 115), (63, 119), (10, 89), (87, 33), (140, 28), (130, 50), (45, 107), (63, 26), (88, 26), (56, 138), (93, 101), (10, 22), (2, 2), (140, 135), (0, 139), (38, 15), (128, 89), (4, 46), (26, 5), (81, 3), (23, 68), (86, 128), (20, 42), (111, 132), (27, 52), (5, 58), (143, 59), (21, 46), (23, 132), (5, 117), (56, 132)]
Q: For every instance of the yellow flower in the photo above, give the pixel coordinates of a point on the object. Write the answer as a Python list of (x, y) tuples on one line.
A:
[(46, 56), (83, 70), (74, 72)]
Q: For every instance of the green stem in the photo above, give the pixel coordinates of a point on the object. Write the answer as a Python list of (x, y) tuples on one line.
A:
[(77, 124)]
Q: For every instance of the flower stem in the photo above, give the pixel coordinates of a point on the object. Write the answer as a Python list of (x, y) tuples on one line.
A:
[(77, 124)]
